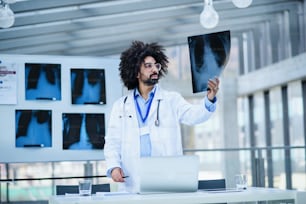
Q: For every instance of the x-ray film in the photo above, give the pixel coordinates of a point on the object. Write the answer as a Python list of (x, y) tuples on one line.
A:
[(209, 54)]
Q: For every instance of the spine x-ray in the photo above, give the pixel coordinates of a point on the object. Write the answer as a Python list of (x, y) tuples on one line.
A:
[(43, 81), (88, 86), (83, 131), (33, 128), (209, 54)]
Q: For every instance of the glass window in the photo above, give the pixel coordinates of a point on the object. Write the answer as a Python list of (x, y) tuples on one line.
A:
[(277, 136), (295, 106), (259, 122), (243, 118)]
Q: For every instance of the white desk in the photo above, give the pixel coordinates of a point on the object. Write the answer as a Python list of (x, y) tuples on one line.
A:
[(251, 194)]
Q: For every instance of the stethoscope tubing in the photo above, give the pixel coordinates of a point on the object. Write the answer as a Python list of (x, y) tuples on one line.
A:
[(157, 122)]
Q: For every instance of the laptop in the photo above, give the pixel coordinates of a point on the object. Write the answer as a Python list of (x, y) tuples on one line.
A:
[(170, 174)]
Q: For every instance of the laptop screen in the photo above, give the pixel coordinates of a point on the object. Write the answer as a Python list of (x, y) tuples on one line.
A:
[(169, 174)]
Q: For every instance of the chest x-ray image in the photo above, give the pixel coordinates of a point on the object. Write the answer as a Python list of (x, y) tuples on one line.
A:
[(43, 81), (83, 131), (33, 128), (209, 54), (88, 86)]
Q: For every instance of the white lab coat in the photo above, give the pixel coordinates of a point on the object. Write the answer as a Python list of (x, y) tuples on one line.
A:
[(122, 138)]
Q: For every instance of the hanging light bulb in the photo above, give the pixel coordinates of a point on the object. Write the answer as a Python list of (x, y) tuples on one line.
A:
[(209, 18), (7, 17), (242, 3)]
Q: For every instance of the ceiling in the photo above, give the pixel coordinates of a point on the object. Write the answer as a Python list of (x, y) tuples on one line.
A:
[(101, 28)]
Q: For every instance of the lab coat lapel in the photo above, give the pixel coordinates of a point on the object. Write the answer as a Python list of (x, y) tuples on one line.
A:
[(130, 105), (157, 96)]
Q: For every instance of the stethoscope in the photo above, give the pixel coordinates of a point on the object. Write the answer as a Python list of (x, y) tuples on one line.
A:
[(157, 114), (157, 122)]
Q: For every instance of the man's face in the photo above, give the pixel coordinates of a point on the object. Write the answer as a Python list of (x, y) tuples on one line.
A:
[(149, 72)]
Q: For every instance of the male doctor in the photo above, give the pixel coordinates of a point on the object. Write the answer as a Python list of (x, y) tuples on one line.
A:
[(146, 122)]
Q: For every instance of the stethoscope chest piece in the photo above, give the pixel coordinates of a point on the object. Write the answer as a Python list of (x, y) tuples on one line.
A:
[(157, 114), (156, 122)]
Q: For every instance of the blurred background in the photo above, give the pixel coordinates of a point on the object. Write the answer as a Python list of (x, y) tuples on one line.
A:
[(259, 128)]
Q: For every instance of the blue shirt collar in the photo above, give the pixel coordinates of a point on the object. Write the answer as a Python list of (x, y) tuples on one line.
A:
[(137, 93)]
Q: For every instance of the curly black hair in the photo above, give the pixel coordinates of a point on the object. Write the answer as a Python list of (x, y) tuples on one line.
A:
[(133, 57)]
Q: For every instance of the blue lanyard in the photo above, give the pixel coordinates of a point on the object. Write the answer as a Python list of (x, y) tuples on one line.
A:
[(148, 109)]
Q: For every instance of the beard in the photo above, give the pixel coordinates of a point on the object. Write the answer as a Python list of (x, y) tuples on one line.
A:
[(151, 81)]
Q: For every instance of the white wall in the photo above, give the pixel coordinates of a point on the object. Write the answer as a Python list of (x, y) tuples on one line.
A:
[(8, 151), (276, 74)]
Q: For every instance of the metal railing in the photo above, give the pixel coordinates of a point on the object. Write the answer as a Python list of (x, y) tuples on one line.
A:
[(257, 161)]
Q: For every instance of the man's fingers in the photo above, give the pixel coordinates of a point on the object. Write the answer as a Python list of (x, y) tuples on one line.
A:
[(117, 175), (213, 84)]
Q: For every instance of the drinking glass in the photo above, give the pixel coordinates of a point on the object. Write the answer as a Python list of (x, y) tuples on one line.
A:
[(241, 181), (85, 188)]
